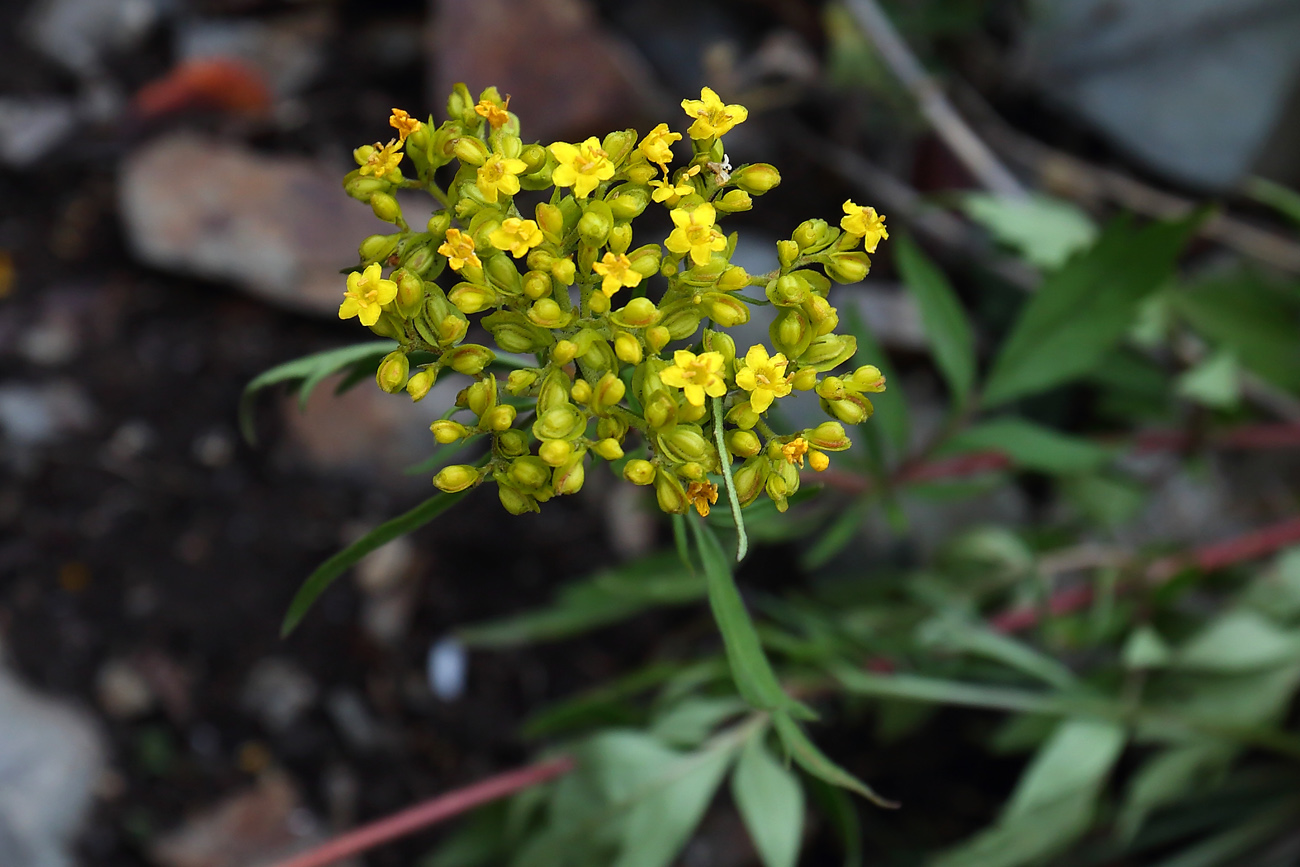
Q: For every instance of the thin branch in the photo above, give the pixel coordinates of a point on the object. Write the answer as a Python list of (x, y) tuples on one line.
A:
[(978, 158), (430, 813)]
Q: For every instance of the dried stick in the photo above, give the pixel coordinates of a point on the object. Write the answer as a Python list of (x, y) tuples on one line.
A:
[(430, 813), (934, 105)]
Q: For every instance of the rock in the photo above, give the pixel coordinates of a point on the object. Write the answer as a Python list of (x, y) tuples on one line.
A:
[(255, 828), (1193, 89), (566, 75), (278, 692), (279, 227), (51, 758), (288, 51), (77, 34)]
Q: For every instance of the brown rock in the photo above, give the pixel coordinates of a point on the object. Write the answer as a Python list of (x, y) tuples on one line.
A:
[(567, 77), (278, 227)]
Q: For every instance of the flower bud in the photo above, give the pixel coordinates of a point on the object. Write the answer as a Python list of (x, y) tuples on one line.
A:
[(657, 337), (559, 423), (516, 502), (392, 372), (818, 460), (568, 479), (645, 259), (742, 415), (581, 391), (639, 472), (854, 409), (563, 352), (546, 313), (470, 150), (613, 428), (743, 443), (499, 418), (789, 290), (717, 341), (689, 412), (660, 410), (734, 202), (804, 378), (534, 157), (536, 284), (756, 179), (685, 443), (733, 279), (410, 293), (518, 382), (629, 203), (618, 144), (598, 303), (529, 472), (377, 248), (810, 233), (637, 313), (848, 267), (620, 238), (791, 332), (669, 493), (420, 383), (749, 480), (469, 359), (456, 477), (821, 314), (472, 298), (564, 271), (555, 452), (829, 351), (608, 392), (726, 310), (866, 378), (786, 253), (641, 173), (360, 187), (514, 333), (627, 348), (439, 223), (389, 326), (386, 207), (512, 443), (447, 432), (501, 270), (596, 223), (460, 105), (683, 322), (609, 449), (481, 396)]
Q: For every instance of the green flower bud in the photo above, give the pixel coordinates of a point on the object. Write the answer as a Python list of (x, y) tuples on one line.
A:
[(638, 313), (471, 150), (660, 410), (564, 271), (481, 396), (716, 341), (804, 378), (554, 390), (734, 202), (529, 472), (629, 202), (750, 479), (620, 238), (386, 207), (392, 372), (829, 351), (420, 383), (439, 223), (685, 443), (821, 314), (726, 310), (791, 332), (377, 248), (743, 443), (546, 313), (516, 502), (866, 378), (786, 253), (471, 298), (469, 359), (788, 291), (641, 173), (536, 284), (555, 452), (534, 157), (501, 270), (518, 382), (669, 493), (611, 428), (639, 472), (627, 348), (782, 482), (657, 337), (389, 326), (645, 260), (756, 179), (410, 293), (683, 322), (514, 333), (617, 145), (499, 418), (512, 443), (460, 105), (607, 393), (361, 187), (743, 416), (568, 479), (563, 352), (560, 423), (733, 279), (811, 233), (609, 449), (596, 223), (447, 432), (848, 267), (829, 436), (854, 409), (455, 478)]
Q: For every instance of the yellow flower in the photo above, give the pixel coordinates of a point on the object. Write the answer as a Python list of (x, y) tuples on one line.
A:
[(865, 223), (384, 159), (459, 250), (764, 377), (657, 145), (695, 233), (670, 191), (702, 495), (617, 271), (795, 450), (403, 123), (696, 375), (582, 166), (516, 235), (498, 174), (366, 295), (496, 115), (712, 118)]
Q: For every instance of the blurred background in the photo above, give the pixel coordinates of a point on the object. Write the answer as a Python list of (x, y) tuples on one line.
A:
[(172, 223)]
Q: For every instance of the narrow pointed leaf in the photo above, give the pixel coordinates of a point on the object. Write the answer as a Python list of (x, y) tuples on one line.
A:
[(771, 803), (946, 326), (815, 762)]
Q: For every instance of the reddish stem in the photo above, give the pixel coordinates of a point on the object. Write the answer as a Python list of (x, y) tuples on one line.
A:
[(430, 813)]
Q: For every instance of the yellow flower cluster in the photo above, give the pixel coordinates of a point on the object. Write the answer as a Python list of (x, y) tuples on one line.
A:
[(620, 351)]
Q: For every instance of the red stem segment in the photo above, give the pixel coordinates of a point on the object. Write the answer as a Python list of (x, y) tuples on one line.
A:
[(430, 813)]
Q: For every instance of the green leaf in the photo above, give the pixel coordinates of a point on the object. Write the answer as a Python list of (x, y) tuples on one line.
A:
[(1084, 309), (1276, 593), (839, 811), (335, 566), (1251, 316), (930, 689), (749, 666), (1145, 649), (1238, 641), (1215, 382), (946, 325), (1170, 776), (814, 761), (605, 704), (1284, 200), (607, 597), (771, 803), (842, 530), (1045, 230), (687, 724), (891, 414), (1030, 446), (1226, 849), (958, 635), (311, 369)]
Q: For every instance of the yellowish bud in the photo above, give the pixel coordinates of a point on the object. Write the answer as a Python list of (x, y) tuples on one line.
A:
[(608, 392), (546, 313), (609, 449), (447, 432), (518, 382), (392, 372), (756, 179), (734, 202), (581, 391), (637, 313), (469, 359), (564, 351), (456, 477), (743, 443), (658, 337), (804, 379), (499, 418), (420, 383), (627, 348), (818, 460), (385, 207), (471, 150), (568, 479), (555, 452), (848, 267), (472, 298), (670, 494), (598, 303), (529, 472), (639, 472)]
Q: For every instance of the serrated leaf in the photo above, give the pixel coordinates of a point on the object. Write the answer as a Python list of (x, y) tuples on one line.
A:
[(749, 665), (946, 325), (311, 369), (814, 761), (327, 572), (1031, 446), (1085, 308), (771, 804)]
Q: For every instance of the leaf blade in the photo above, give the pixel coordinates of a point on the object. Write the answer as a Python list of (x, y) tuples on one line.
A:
[(946, 325)]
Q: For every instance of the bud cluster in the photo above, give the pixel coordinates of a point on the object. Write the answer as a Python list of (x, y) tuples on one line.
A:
[(634, 380)]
